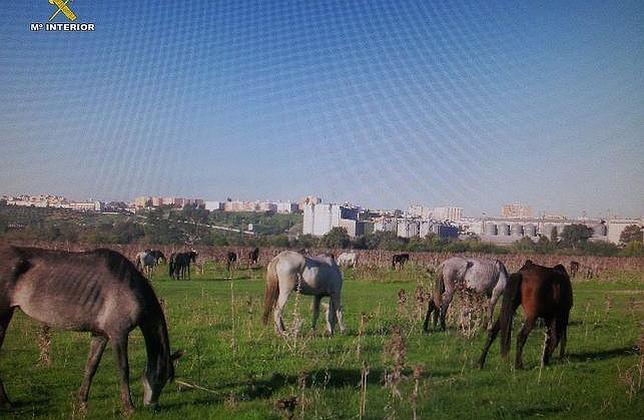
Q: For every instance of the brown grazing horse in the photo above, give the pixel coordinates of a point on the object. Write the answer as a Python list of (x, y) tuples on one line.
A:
[(543, 292), (231, 259), (574, 268), (179, 264), (100, 292), (253, 256), (399, 260)]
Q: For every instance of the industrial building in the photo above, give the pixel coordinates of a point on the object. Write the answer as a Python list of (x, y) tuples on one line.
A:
[(508, 230)]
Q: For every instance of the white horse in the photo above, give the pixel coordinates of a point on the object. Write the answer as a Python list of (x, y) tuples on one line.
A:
[(348, 259), (487, 277), (315, 276), (145, 262)]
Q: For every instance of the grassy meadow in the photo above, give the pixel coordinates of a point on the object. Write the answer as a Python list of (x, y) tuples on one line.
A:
[(384, 366)]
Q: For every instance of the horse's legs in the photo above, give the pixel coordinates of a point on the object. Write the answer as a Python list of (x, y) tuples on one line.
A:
[(119, 345), (96, 348), (528, 325), (496, 293), (5, 318), (446, 300), (492, 333), (337, 311), (279, 307), (316, 311), (562, 333), (431, 308), (330, 317), (551, 341)]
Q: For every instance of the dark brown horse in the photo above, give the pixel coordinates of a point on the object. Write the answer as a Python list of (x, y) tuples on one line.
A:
[(100, 292), (543, 292), (231, 258), (179, 264), (399, 260), (574, 268), (253, 256)]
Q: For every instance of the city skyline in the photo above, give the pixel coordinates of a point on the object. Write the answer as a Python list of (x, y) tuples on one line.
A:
[(412, 208), (474, 104)]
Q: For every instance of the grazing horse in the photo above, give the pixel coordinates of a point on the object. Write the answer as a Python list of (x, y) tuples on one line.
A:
[(543, 292), (399, 260), (487, 277), (348, 259), (158, 256), (253, 256), (145, 262), (231, 258), (180, 264), (315, 276), (100, 292), (574, 268)]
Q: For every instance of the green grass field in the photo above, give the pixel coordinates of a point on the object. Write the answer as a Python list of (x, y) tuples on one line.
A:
[(235, 367)]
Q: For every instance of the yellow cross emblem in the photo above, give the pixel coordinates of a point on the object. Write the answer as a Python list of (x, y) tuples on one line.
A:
[(62, 7)]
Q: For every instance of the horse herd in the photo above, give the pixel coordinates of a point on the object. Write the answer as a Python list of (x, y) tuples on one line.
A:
[(105, 294)]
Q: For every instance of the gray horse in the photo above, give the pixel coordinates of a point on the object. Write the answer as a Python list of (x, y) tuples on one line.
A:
[(315, 276), (487, 277), (145, 262), (100, 292)]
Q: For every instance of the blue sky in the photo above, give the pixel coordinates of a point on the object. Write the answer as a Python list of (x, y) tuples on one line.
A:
[(376, 102)]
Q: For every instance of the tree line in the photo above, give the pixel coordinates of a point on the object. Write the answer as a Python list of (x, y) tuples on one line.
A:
[(193, 225)]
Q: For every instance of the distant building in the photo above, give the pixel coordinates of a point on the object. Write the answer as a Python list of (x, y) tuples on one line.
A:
[(320, 218), (41, 200), (142, 202), (214, 205), (287, 207), (308, 200), (417, 210), (447, 213), (408, 228), (615, 227), (516, 211), (155, 201), (87, 206), (385, 224)]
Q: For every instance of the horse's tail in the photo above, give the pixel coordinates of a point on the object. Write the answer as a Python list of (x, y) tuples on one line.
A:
[(272, 290), (511, 299)]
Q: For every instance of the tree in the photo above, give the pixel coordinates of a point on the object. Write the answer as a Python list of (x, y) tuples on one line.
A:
[(631, 233), (575, 235), (336, 238)]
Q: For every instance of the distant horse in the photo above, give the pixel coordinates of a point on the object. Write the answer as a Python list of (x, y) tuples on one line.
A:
[(100, 292), (253, 256), (231, 258), (574, 268), (543, 292), (180, 264), (147, 260), (158, 256), (314, 276), (487, 277), (399, 260), (348, 259)]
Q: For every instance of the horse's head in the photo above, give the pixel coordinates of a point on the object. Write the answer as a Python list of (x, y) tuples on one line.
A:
[(154, 380), (193, 256)]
